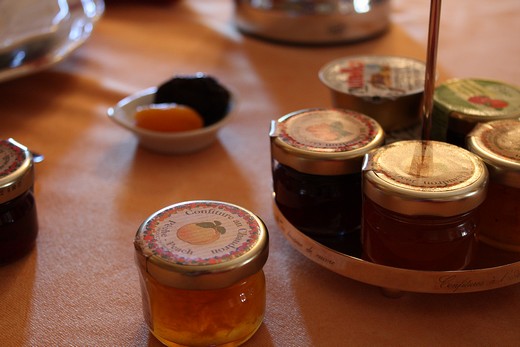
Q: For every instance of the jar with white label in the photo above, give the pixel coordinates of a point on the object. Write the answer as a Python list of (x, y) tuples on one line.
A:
[(420, 205), (317, 156), (498, 144), (201, 273)]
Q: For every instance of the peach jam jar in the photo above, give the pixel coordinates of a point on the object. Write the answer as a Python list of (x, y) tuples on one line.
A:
[(317, 156), (201, 273), (498, 144), (420, 205), (18, 220), (460, 104)]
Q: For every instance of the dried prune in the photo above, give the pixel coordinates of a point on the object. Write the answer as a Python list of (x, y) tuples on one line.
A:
[(200, 92)]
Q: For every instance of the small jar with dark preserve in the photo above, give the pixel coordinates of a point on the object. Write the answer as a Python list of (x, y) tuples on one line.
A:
[(201, 273), (420, 205), (18, 220), (317, 156), (498, 144)]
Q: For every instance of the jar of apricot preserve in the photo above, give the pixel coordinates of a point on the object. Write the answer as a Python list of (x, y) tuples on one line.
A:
[(498, 144), (201, 273), (420, 205), (317, 156), (18, 220)]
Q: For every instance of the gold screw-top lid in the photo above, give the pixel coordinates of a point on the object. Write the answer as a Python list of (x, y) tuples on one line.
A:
[(16, 170), (324, 141), (425, 178), (201, 244), (498, 144)]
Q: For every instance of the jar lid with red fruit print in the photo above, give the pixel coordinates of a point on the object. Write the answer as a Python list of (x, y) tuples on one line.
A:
[(459, 104), (324, 141), (202, 244)]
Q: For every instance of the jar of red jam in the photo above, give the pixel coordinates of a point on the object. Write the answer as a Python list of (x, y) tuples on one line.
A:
[(420, 205), (200, 265), (498, 144), (460, 104), (18, 220), (317, 156)]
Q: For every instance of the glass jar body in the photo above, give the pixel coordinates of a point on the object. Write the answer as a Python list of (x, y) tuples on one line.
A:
[(431, 243), (18, 227), (500, 217), (217, 317), (318, 205)]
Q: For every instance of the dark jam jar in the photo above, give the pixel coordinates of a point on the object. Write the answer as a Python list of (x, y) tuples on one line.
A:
[(498, 144), (18, 222), (420, 205), (316, 165), (460, 104)]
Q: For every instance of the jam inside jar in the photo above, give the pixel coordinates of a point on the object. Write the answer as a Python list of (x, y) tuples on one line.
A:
[(18, 218), (18, 227), (314, 202), (217, 317), (418, 242)]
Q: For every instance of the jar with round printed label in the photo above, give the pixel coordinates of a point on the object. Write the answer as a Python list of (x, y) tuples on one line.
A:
[(420, 205), (498, 144), (200, 265), (316, 166)]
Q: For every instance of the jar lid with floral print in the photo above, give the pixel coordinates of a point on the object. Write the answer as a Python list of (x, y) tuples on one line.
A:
[(202, 244)]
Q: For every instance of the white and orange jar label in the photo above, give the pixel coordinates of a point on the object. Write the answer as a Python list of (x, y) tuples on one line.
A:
[(327, 130), (200, 233)]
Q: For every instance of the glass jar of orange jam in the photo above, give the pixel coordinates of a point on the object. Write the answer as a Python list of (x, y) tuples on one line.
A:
[(498, 144), (317, 156), (420, 205), (201, 273), (18, 220)]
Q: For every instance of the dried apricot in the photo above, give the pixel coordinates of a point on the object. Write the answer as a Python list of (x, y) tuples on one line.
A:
[(168, 118)]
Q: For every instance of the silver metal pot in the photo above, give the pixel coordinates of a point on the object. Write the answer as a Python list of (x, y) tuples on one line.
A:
[(312, 21)]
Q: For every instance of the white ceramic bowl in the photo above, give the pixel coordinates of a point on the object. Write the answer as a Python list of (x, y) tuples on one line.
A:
[(123, 113)]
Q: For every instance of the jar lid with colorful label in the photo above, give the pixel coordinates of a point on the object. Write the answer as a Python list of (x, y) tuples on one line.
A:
[(498, 144), (478, 100), (16, 170), (386, 88), (425, 178), (324, 141), (202, 244)]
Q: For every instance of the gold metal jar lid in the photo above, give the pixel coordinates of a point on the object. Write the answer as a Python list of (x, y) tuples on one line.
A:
[(16, 170), (477, 100), (498, 144), (324, 141), (425, 178), (202, 244)]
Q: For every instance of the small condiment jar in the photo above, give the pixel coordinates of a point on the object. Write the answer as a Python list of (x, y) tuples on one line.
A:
[(18, 218), (200, 265), (459, 104), (498, 144), (386, 88), (420, 205), (317, 156)]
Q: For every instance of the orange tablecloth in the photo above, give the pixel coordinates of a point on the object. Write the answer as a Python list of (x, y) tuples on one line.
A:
[(79, 287)]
